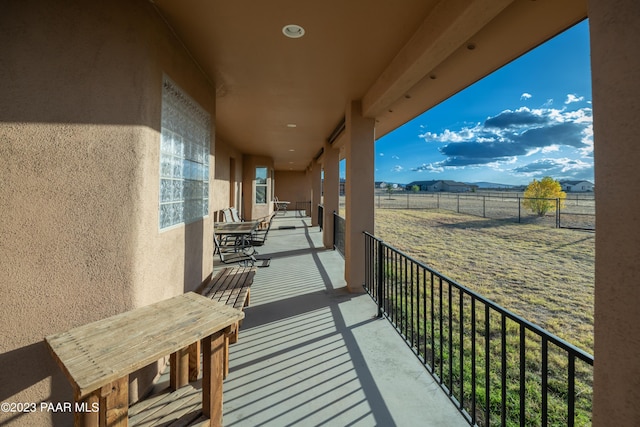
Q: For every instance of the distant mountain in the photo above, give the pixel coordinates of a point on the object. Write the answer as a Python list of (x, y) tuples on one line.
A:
[(484, 184)]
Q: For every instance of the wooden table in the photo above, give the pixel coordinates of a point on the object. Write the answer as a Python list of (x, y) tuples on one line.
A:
[(98, 357), (235, 228), (240, 232)]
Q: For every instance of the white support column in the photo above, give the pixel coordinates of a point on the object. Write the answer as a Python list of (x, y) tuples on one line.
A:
[(359, 192), (615, 65), (331, 190)]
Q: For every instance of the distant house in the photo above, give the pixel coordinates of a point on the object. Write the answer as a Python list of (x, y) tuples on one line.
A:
[(426, 185), (456, 187), (576, 186), (442, 185)]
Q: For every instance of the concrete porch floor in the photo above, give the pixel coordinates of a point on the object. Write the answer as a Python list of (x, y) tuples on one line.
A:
[(311, 353)]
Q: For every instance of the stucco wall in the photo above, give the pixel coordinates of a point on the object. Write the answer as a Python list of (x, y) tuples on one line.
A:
[(293, 187), (251, 209), (79, 158), (615, 29), (226, 182)]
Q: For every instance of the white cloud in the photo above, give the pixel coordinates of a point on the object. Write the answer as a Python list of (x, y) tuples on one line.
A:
[(525, 96), (551, 149), (571, 98), (395, 157), (431, 167), (587, 140), (511, 134), (381, 154), (562, 168), (465, 134), (397, 168)]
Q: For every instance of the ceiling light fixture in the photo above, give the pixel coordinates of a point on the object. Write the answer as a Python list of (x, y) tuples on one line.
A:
[(293, 31), (291, 125)]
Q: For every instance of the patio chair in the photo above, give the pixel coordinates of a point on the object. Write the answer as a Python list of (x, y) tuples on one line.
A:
[(260, 236), (227, 215), (234, 215), (242, 253)]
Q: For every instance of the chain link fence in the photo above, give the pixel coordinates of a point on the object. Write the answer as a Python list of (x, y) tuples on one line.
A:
[(577, 211)]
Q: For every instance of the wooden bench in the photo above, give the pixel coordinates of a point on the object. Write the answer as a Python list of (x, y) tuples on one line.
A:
[(230, 286), (97, 358)]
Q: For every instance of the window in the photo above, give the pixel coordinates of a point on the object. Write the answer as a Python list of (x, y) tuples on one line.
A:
[(261, 185), (184, 158)]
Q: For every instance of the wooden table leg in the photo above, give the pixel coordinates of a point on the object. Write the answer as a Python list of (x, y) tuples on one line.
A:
[(212, 360), (194, 361), (87, 411), (114, 403), (179, 372)]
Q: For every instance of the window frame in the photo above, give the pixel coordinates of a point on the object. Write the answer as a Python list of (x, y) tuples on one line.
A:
[(264, 186), (185, 149)]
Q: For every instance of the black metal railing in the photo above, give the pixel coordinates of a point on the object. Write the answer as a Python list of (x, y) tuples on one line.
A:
[(339, 232), (497, 368)]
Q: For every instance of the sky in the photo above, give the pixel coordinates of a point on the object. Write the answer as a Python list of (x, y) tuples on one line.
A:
[(530, 119)]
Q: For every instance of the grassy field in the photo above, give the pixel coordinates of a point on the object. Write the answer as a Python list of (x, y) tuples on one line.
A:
[(543, 274)]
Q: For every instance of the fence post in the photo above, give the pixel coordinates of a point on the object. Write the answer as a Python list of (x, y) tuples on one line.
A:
[(380, 277), (518, 209), (484, 206), (558, 213), (407, 200), (458, 203)]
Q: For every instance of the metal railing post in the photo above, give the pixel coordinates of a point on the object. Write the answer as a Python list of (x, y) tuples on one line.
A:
[(380, 278)]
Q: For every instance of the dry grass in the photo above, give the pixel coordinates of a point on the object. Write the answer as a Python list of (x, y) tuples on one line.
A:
[(543, 274)]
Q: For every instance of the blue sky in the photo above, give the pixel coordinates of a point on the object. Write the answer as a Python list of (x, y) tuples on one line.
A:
[(529, 119)]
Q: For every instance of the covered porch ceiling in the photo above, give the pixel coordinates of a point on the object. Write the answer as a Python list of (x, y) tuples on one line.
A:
[(399, 57)]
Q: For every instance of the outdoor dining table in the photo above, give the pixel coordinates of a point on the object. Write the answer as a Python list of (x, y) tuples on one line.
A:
[(235, 228), (239, 232)]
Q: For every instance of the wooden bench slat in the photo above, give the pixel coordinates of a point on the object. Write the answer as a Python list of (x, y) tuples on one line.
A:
[(231, 286)]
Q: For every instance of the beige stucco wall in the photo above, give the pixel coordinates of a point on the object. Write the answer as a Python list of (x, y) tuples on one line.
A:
[(251, 209), (223, 186), (615, 29), (360, 154), (79, 159), (293, 187)]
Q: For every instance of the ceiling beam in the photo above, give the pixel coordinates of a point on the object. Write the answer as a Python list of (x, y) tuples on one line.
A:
[(445, 29)]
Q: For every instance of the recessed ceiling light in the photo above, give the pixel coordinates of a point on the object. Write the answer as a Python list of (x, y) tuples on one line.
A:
[(293, 31), (291, 149), (291, 125)]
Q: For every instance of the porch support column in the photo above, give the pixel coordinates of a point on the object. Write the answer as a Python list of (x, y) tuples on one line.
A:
[(331, 189), (615, 31), (359, 192), (315, 172)]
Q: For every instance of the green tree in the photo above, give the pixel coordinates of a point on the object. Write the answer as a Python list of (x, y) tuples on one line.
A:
[(540, 196), (389, 189), (415, 188)]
